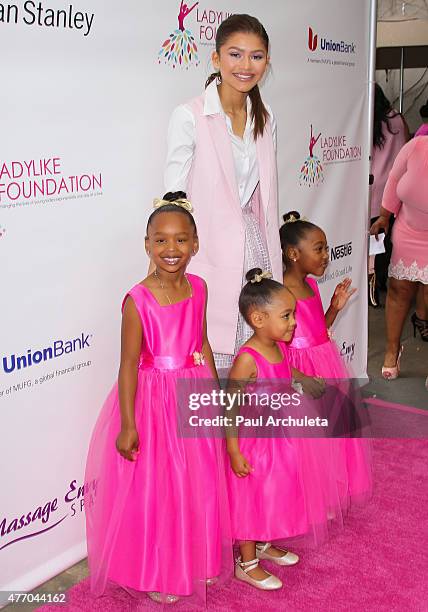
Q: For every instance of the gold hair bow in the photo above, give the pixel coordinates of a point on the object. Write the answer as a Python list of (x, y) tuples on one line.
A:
[(182, 202), (259, 277), (293, 219)]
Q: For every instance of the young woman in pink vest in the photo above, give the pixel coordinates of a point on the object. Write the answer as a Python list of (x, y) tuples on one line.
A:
[(221, 152)]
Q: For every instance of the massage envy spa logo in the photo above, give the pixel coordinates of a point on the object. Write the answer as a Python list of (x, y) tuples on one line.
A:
[(54, 349), (38, 15), (347, 350), (35, 520)]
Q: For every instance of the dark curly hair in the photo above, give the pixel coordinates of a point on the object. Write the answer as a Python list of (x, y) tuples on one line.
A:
[(291, 233), (383, 112), (257, 294)]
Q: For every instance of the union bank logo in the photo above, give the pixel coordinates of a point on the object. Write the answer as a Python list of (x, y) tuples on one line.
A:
[(180, 48), (312, 40), (312, 172), (329, 44)]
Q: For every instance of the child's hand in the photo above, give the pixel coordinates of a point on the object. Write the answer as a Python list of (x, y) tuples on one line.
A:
[(342, 293), (240, 465), (128, 443), (313, 386)]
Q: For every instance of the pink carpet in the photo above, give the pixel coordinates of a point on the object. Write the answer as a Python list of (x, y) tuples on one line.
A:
[(379, 562)]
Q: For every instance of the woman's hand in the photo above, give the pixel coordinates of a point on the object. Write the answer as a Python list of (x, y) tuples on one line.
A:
[(128, 443), (341, 294), (381, 224), (239, 464)]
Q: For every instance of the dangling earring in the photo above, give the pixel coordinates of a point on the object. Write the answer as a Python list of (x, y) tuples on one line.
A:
[(218, 77)]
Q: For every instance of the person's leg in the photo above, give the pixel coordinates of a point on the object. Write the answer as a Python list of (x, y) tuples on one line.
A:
[(382, 261), (248, 554), (398, 300), (422, 302)]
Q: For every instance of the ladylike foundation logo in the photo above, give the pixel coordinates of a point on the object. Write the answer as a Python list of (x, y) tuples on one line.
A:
[(180, 48), (312, 173)]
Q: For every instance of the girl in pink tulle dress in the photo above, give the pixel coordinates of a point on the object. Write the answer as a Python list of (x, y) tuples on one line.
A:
[(266, 496), (313, 354), (159, 520)]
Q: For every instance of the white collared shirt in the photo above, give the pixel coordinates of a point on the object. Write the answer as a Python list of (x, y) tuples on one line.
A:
[(181, 145)]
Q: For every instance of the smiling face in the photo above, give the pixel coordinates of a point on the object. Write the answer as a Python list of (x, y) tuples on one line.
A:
[(276, 320), (171, 241), (311, 254), (242, 61)]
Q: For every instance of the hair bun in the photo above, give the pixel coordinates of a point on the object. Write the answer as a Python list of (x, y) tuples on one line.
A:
[(290, 214), (171, 196), (424, 110), (251, 274)]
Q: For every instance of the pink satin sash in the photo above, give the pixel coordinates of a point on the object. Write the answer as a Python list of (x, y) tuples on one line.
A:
[(305, 342), (166, 362)]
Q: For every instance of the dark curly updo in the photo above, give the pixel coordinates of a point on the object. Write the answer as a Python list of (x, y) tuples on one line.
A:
[(292, 232), (423, 111), (171, 196), (257, 294)]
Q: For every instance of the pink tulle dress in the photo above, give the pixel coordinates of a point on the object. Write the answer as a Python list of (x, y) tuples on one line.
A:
[(346, 475), (299, 486), (269, 503), (160, 523)]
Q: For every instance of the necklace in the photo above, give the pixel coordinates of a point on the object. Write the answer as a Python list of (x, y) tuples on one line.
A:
[(162, 286)]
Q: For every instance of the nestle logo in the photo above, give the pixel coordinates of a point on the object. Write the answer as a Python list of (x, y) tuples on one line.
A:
[(342, 250), (312, 40)]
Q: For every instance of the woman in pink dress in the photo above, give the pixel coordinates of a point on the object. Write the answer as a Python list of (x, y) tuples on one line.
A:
[(159, 520), (405, 196), (347, 461)]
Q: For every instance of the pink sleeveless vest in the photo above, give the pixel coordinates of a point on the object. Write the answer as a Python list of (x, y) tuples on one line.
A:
[(213, 191)]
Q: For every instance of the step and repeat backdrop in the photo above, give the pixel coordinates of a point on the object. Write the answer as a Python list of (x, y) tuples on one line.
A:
[(87, 90)]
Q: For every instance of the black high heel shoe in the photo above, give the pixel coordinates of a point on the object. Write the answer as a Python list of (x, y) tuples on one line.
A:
[(421, 325)]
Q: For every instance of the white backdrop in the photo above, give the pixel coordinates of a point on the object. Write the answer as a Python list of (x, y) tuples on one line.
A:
[(84, 108)]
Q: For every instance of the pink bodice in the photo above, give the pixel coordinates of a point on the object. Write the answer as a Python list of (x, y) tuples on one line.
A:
[(267, 370), (311, 329), (171, 334)]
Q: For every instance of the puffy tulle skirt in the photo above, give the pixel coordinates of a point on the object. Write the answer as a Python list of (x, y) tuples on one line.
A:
[(299, 489), (336, 472), (160, 523)]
